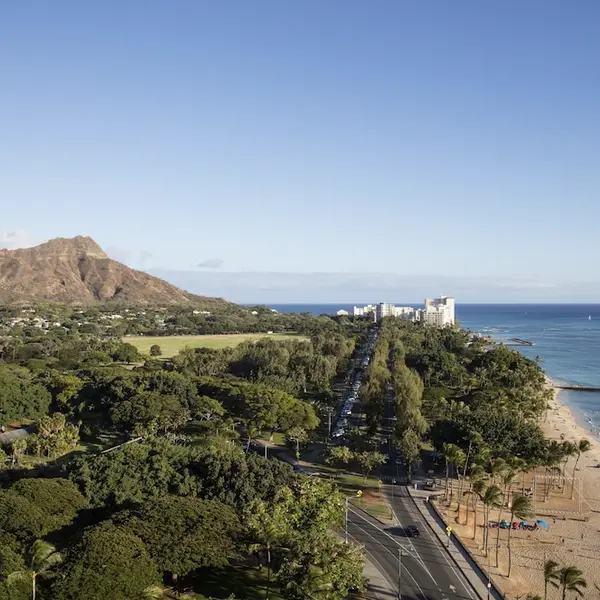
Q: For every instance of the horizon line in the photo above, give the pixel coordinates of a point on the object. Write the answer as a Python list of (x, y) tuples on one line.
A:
[(412, 303)]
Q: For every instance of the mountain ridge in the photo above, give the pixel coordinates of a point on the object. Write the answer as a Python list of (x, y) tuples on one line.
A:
[(78, 271)]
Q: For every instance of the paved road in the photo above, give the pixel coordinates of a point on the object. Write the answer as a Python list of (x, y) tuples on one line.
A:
[(9, 437), (427, 570)]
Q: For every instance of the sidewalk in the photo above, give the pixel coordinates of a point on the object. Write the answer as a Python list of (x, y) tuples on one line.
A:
[(378, 587), (475, 576)]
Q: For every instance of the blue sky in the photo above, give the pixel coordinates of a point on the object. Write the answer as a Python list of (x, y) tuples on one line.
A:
[(390, 139)]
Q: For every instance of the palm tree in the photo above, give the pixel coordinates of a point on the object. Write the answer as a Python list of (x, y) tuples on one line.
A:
[(492, 498), (311, 584), (474, 438), (477, 472), (42, 557), (554, 455), (18, 448), (269, 529), (521, 508), (583, 446), (571, 580), (569, 449), (508, 478), (497, 467), (252, 431), (158, 592), (519, 466), (297, 435), (478, 488), (454, 456), (551, 575)]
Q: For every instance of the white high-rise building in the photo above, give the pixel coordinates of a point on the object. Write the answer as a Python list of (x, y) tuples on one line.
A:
[(438, 312), (404, 311), (363, 311), (384, 310)]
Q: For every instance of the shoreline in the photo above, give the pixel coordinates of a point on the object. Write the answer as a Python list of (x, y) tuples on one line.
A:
[(572, 416), (572, 538)]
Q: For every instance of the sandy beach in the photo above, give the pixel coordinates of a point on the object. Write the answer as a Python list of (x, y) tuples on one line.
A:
[(573, 537)]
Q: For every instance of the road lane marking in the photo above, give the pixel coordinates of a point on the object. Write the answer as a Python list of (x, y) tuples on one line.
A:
[(394, 555), (405, 548), (436, 542), (372, 559), (414, 554), (441, 551), (418, 556)]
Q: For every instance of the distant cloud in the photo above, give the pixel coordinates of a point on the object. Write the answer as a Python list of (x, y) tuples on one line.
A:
[(121, 254), (10, 240), (129, 257), (211, 263), (343, 288), (145, 256)]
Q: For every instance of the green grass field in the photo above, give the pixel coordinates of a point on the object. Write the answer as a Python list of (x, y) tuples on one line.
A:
[(241, 581), (371, 501), (172, 344)]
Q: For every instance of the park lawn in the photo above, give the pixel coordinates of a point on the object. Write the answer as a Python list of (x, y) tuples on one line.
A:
[(172, 344), (242, 581), (372, 500), (278, 438)]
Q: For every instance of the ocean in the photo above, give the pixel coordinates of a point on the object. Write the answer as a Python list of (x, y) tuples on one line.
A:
[(566, 337)]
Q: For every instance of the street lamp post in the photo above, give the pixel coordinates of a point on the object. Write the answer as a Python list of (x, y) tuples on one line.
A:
[(346, 520), (329, 413), (399, 573), (489, 583)]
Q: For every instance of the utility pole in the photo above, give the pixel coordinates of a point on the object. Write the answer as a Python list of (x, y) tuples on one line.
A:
[(399, 573), (489, 583), (346, 520), (329, 412), (266, 448)]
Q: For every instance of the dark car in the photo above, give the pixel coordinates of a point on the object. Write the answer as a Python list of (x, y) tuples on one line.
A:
[(411, 531)]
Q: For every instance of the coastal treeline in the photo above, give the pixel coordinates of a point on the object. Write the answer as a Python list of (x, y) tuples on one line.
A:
[(475, 407), (453, 388)]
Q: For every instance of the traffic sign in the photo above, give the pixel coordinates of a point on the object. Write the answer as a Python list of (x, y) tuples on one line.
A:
[(359, 493), (448, 530)]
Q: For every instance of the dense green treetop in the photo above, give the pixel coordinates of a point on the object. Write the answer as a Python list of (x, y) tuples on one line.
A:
[(470, 386), (183, 534), (21, 398), (59, 500), (108, 562), (134, 473)]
